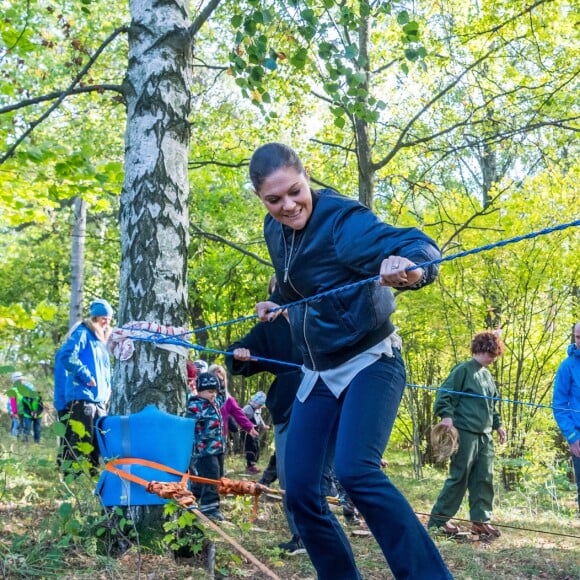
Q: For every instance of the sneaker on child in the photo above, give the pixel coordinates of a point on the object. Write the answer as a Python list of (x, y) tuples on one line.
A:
[(351, 518), (293, 547)]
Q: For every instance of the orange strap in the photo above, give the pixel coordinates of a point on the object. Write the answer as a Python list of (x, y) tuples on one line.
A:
[(224, 485), (179, 492), (110, 466)]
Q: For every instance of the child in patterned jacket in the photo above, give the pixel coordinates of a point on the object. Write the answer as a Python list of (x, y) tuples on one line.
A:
[(209, 442)]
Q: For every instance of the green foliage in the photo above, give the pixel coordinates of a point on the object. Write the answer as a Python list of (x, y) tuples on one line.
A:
[(511, 289), (241, 507), (316, 40), (20, 390), (183, 534), (78, 428), (53, 526), (469, 137), (58, 519), (72, 153)]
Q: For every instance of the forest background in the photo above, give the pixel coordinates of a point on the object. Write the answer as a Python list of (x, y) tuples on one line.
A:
[(125, 134)]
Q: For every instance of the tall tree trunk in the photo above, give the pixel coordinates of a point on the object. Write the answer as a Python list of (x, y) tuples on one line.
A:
[(77, 262), (365, 171), (154, 201), (488, 162), (361, 126)]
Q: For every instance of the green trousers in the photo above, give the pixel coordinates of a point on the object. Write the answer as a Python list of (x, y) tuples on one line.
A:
[(471, 469)]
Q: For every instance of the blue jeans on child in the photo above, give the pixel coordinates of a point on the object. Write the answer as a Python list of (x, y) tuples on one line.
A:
[(34, 425), (15, 426), (360, 423)]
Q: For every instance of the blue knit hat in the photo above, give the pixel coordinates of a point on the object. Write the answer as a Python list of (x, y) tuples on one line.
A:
[(259, 398), (100, 307)]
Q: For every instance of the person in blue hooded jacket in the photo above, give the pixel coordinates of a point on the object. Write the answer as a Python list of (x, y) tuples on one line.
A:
[(86, 360), (354, 376), (566, 402)]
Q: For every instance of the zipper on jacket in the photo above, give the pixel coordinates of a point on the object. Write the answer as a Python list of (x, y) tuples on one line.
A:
[(288, 255), (287, 280), (306, 340)]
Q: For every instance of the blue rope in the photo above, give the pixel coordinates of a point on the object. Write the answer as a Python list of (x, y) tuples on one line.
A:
[(180, 342), (424, 265), (499, 399), (500, 244), (159, 338)]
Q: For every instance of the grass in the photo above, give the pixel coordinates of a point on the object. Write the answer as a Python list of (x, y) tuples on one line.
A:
[(56, 529)]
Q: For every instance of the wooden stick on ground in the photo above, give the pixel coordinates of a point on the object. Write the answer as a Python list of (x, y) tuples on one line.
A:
[(235, 544)]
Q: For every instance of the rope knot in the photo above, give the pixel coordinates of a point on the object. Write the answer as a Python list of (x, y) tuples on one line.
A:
[(173, 490)]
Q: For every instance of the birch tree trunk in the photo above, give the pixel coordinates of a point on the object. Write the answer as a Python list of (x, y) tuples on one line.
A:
[(154, 201), (77, 262)]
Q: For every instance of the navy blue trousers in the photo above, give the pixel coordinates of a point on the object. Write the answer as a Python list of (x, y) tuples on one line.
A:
[(356, 428), (212, 467)]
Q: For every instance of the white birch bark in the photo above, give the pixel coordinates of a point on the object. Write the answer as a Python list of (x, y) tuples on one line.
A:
[(77, 262), (154, 201)]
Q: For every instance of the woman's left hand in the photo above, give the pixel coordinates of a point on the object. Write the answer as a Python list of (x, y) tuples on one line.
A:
[(394, 272), (263, 310)]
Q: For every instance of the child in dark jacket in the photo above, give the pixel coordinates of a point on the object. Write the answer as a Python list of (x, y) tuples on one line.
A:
[(209, 442), (253, 411), (272, 342)]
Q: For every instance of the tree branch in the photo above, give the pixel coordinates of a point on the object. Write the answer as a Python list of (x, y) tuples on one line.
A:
[(486, 210), (323, 97), (495, 29), (200, 164), (21, 34), (57, 94), (205, 65), (216, 238), (385, 66), (202, 18), (427, 106), (65, 94), (348, 150)]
